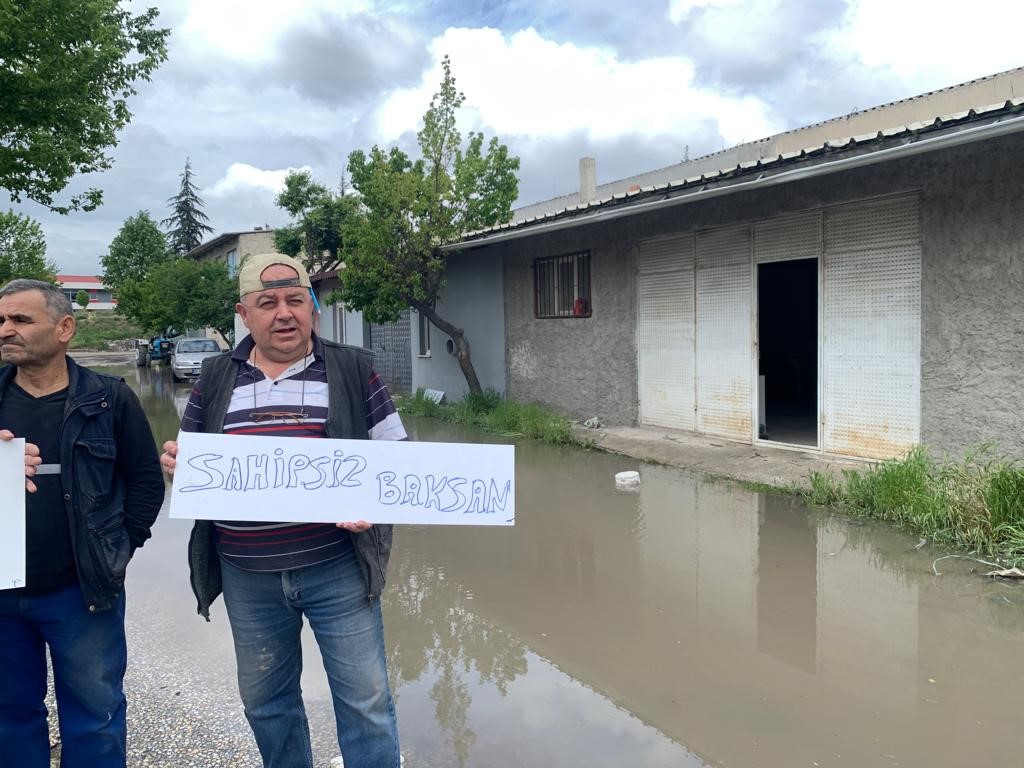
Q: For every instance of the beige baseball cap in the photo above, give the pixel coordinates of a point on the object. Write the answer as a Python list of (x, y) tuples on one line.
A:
[(250, 274)]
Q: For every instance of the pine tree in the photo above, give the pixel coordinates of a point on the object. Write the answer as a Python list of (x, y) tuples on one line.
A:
[(187, 222)]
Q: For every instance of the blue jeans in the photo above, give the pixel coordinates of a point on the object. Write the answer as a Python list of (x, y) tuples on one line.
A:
[(89, 657), (265, 611)]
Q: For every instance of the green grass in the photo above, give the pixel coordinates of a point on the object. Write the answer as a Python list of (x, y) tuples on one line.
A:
[(976, 504), (99, 330), (490, 412)]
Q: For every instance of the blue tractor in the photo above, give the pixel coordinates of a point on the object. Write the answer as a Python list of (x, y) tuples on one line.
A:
[(157, 350)]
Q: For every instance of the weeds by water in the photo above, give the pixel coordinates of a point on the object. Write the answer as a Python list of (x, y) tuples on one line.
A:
[(491, 412), (976, 504)]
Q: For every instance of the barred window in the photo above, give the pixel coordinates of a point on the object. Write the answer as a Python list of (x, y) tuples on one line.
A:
[(562, 285)]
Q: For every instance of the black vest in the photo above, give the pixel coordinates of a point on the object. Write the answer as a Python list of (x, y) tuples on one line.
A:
[(348, 374)]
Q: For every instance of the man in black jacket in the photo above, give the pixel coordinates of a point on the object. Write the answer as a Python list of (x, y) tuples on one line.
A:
[(95, 490)]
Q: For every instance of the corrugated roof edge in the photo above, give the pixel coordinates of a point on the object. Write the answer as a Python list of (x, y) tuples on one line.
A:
[(987, 113), (837, 118)]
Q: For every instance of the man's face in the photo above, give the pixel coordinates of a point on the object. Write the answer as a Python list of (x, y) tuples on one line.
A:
[(29, 337), (280, 320)]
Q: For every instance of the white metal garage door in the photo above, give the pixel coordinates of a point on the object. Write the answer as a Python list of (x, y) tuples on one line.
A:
[(788, 238), (665, 333), (724, 268), (872, 345)]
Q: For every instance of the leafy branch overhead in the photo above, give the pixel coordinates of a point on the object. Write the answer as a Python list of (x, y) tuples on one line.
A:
[(67, 70)]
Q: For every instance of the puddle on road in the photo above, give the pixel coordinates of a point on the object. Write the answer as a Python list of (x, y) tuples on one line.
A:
[(690, 623), (707, 625)]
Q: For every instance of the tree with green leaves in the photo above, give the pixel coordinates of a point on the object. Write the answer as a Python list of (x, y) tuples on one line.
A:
[(67, 70), (319, 217), (138, 247), (183, 293), (410, 210), (187, 222), (23, 249), (82, 298)]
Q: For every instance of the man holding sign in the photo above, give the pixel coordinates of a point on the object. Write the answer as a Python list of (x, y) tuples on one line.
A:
[(284, 380), (96, 489)]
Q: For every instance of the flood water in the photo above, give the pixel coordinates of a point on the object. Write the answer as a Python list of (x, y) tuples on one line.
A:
[(691, 623)]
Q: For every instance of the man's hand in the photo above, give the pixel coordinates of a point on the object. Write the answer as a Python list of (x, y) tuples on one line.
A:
[(32, 459), (168, 459), (357, 527)]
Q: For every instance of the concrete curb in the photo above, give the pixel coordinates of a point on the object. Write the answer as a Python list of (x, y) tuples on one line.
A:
[(780, 468)]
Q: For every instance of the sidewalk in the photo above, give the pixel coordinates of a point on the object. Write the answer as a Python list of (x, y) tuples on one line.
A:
[(718, 457)]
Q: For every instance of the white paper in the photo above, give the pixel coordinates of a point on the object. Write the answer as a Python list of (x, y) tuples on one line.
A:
[(12, 513), (302, 480)]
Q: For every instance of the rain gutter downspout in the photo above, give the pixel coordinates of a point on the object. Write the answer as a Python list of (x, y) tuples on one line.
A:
[(964, 136)]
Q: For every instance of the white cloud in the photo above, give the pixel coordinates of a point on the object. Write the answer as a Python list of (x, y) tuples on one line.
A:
[(524, 84), (678, 10), (248, 29), (929, 45), (243, 177)]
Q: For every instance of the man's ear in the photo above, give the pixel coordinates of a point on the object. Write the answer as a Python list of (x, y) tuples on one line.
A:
[(241, 310), (65, 329)]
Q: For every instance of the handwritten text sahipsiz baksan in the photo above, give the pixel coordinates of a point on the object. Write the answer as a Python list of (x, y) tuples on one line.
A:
[(278, 470), (445, 494), (260, 471)]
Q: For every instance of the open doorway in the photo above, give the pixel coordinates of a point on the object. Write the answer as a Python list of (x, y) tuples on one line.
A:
[(787, 321)]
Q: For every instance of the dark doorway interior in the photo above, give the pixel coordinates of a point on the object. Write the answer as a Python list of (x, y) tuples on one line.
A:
[(787, 315)]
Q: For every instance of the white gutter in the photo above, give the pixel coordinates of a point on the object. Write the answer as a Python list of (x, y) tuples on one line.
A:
[(965, 136)]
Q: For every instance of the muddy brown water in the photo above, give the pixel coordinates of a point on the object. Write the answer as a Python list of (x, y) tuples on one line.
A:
[(691, 623)]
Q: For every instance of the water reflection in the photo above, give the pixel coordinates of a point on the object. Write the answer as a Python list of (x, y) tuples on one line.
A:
[(163, 399), (691, 623), (733, 623)]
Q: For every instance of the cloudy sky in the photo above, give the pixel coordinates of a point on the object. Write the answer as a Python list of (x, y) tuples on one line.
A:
[(255, 87)]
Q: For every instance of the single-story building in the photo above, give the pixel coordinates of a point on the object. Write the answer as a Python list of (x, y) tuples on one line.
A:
[(100, 297), (389, 342), (855, 287)]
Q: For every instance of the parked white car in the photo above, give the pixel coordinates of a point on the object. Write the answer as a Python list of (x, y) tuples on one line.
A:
[(187, 358)]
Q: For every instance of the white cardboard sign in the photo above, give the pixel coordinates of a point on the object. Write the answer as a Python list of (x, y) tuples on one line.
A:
[(12, 513), (294, 479)]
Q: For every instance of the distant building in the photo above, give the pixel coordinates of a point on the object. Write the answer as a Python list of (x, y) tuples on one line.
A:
[(230, 248), (100, 298)]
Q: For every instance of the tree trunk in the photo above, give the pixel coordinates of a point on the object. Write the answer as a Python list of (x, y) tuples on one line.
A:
[(461, 345)]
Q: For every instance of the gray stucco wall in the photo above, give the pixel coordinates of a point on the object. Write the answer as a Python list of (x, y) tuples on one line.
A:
[(476, 304), (972, 292), (972, 366), (582, 366)]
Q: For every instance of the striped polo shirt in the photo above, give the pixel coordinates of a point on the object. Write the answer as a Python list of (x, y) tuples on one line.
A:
[(292, 405)]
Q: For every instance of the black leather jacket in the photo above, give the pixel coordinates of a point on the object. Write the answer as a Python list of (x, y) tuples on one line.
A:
[(110, 476)]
